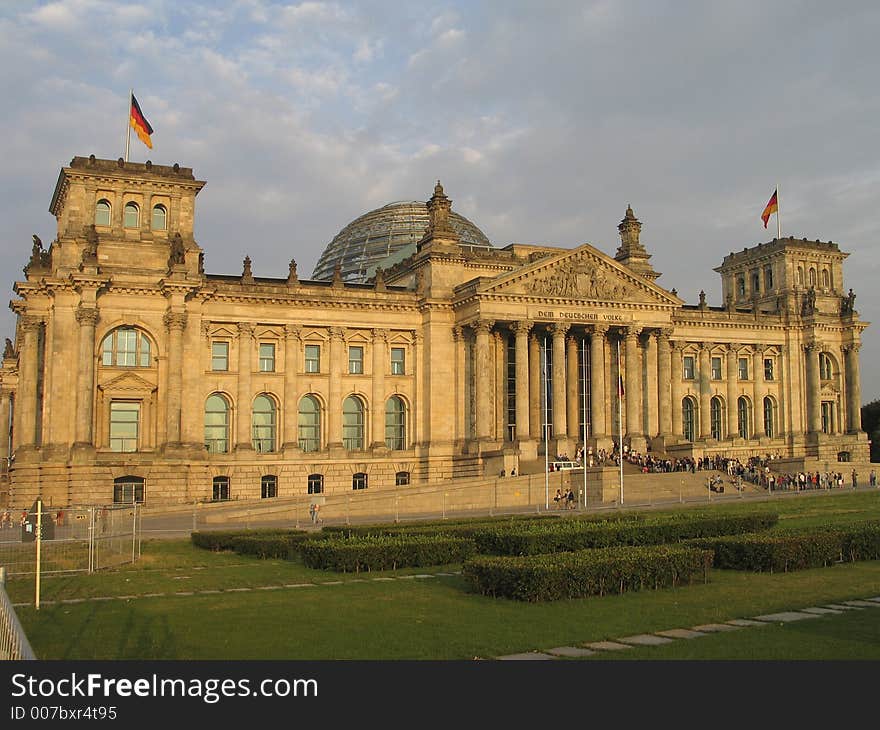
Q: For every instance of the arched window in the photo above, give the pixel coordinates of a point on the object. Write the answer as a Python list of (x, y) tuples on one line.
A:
[(742, 416), (131, 217), (687, 419), (126, 347), (812, 276), (309, 424), (102, 213), (756, 282), (128, 489), (268, 486), (826, 279), (263, 424), (316, 483), (715, 410), (769, 417), (160, 217), (353, 423), (395, 423), (220, 489), (740, 287), (800, 276), (217, 424)]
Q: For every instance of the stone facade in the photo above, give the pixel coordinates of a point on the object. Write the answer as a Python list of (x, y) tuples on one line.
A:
[(135, 375)]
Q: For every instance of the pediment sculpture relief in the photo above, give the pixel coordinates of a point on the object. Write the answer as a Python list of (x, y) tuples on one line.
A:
[(579, 280)]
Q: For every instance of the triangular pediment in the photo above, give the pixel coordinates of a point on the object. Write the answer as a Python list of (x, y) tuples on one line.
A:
[(582, 274), (128, 381)]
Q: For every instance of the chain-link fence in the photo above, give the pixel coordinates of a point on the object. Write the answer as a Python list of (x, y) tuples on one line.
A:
[(74, 539)]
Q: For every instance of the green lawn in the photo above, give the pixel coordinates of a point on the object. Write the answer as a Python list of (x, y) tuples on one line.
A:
[(436, 618)]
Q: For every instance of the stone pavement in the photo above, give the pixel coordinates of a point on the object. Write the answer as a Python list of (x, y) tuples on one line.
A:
[(669, 635)]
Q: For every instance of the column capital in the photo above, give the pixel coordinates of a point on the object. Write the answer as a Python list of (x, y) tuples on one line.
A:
[(336, 333), (30, 322), (483, 325), (458, 333), (559, 328), (734, 347), (664, 334), (206, 328), (380, 334), (523, 326), (812, 347), (496, 334), (245, 329), (853, 347), (678, 345), (417, 337), (600, 329), (292, 332), (632, 332), (175, 320), (87, 316)]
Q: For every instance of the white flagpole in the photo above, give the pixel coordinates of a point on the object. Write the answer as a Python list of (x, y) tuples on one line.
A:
[(584, 448), (778, 219), (546, 426), (620, 420), (128, 124)]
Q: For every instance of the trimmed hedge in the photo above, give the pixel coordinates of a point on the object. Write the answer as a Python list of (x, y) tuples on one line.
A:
[(385, 552), (579, 535), (794, 551), (467, 527), (268, 543), (587, 572)]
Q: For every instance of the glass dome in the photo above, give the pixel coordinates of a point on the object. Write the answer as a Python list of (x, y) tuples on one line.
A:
[(385, 236)]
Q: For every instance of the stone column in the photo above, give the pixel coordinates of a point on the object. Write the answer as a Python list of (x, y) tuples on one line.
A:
[(85, 386), (499, 342), (243, 440), (560, 423), (4, 428), (536, 418), (381, 356), (597, 382), (814, 419), (292, 359), (651, 389), (853, 388), (483, 367), (337, 361), (26, 400), (176, 323), (677, 373), (705, 382), (732, 426), (757, 402), (664, 369), (521, 333), (460, 390), (572, 400), (632, 397)]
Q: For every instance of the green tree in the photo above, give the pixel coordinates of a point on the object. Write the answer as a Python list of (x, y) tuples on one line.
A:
[(871, 426)]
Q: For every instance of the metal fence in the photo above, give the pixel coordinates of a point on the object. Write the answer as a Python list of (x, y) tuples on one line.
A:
[(13, 641), (75, 539)]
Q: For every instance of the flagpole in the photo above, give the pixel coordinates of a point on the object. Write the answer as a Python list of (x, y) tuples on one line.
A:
[(546, 425), (778, 219), (128, 124), (584, 449), (620, 420)]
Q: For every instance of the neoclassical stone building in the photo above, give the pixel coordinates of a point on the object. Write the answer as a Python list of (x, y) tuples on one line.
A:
[(134, 375)]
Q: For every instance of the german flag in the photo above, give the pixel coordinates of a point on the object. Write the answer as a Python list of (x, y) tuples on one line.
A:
[(772, 207), (139, 123)]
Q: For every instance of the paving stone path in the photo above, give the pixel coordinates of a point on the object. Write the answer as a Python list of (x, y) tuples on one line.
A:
[(669, 635)]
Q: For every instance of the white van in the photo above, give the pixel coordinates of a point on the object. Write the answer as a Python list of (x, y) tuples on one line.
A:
[(563, 465)]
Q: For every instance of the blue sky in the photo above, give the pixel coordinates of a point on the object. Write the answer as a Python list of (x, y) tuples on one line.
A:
[(542, 119)]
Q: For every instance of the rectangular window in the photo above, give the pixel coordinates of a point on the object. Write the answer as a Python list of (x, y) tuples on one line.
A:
[(688, 367), (768, 368), (716, 368), (401, 478), (359, 481), (316, 483), (356, 360), (124, 417), (313, 358), (127, 490), (267, 357), (219, 356), (398, 362), (268, 486), (220, 489), (126, 347), (743, 368)]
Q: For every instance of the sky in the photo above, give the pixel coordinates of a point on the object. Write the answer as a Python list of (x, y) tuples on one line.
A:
[(543, 120)]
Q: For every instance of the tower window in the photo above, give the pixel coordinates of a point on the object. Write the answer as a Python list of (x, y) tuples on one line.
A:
[(132, 215), (160, 217), (102, 213)]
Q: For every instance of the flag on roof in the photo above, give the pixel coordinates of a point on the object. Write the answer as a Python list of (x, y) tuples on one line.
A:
[(771, 208), (139, 123)]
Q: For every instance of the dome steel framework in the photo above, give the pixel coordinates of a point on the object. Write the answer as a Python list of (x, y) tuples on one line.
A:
[(385, 236)]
